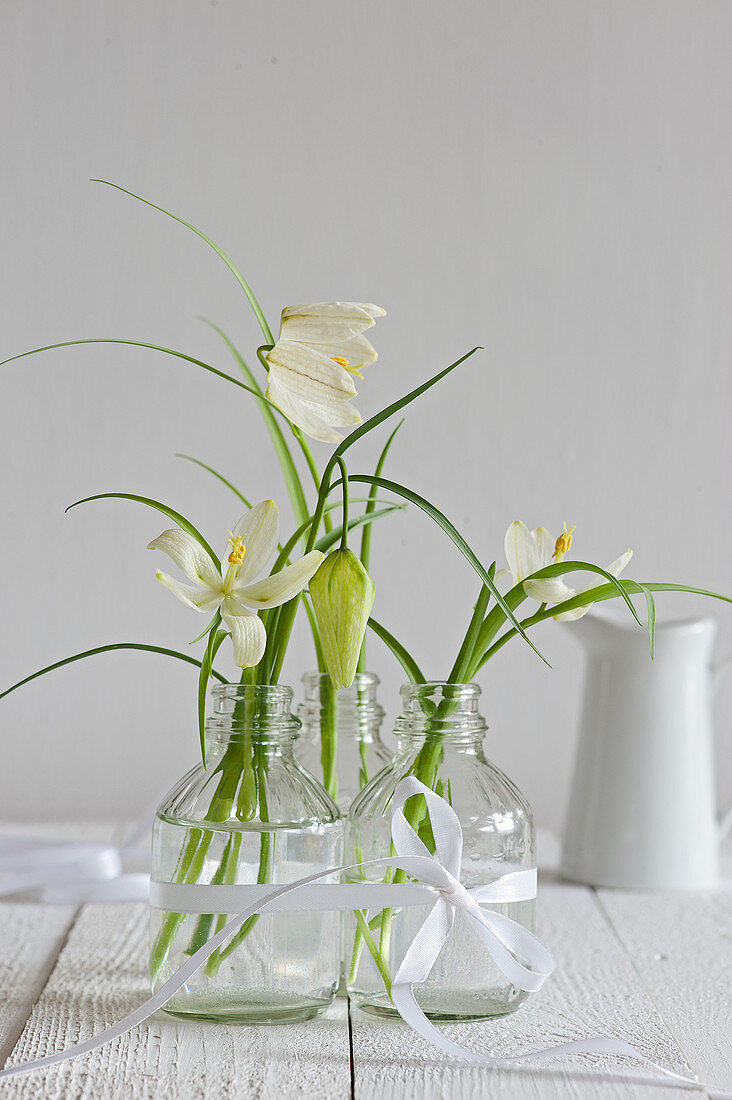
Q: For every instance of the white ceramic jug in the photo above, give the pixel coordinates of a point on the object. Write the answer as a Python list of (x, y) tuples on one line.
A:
[(642, 803)]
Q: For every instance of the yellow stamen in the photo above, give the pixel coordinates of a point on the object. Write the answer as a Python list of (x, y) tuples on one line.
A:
[(238, 549), (563, 543), (340, 361)]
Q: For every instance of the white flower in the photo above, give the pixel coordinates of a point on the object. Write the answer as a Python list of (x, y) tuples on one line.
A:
[(528, 551), (236, 593), (334, 329), (320, 348)]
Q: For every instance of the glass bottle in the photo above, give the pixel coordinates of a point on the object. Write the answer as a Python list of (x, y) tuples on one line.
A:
[(440, 735), (253, 815), (341, 734)]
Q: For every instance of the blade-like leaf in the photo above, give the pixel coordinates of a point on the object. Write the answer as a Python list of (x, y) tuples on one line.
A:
[(402, 402), (368, 530), (183, 523), (651, 606), (325, 542), (452, 532), (219, 252), (215, 639), (220, 477), (462, 664), (284, 455), (151, 347), (405, 659), (598, 595), (112, 647), (561, 567)]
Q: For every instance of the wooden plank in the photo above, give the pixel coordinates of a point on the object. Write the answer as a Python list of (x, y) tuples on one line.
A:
[(32, 934), (681, 946), (101, 976), (595, 991)]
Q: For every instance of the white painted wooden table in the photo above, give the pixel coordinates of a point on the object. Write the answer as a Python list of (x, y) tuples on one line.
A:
[(654, 969)]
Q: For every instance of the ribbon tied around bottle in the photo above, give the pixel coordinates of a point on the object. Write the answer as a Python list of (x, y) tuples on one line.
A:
[(516, 951)]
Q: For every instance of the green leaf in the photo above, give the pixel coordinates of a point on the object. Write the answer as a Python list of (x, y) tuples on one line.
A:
[(598, 595), (368, 530), (325, 542), (152, 347), (561, 567), (219, 252), (651, 605), (463, 661), (112, 647), (216, 474), (452, 532), (402, 402), (215, 639), (405, 659), (183, 523), (284, 455)]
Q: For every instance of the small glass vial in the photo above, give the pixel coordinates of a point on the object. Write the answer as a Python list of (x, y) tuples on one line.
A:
[(440, 735), (253, 815), (341, 734)]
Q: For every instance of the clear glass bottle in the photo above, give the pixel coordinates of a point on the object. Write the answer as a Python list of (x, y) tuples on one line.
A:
[(254, 815), (440, 735), (341, 734)]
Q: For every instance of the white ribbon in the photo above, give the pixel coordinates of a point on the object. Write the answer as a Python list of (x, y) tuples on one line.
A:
[(67, 873), (524, 960)]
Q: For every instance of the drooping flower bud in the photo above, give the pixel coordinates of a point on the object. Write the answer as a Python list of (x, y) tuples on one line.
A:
[(343, 595)]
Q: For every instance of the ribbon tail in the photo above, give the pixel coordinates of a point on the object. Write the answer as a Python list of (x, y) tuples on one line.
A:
[(405, 1002), (505, 939)]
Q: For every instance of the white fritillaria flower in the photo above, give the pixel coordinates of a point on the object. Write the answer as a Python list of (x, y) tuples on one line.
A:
[(528, 551), (311, 367), (234, 591)]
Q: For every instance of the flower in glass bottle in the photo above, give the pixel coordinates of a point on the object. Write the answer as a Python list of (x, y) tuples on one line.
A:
[(233, 590)]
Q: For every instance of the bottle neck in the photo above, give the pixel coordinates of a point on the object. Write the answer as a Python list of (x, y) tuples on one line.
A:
[(256, 715), (438, 711), (354, 710)]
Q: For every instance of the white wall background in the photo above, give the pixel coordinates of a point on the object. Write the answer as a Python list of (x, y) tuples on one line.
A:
[(552, 180)]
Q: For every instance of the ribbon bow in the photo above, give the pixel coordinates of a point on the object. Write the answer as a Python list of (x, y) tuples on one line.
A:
[(504, 939)]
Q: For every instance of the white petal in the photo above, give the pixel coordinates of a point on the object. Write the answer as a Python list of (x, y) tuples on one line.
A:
[(551, 590), (358, 351), (307, 373), (248, 636), (260, 530), (520, 550), (338, 413), (200, 599), (616, 567), (188, 555), (280, 587), (544, 545), (572, 616), (337, 318), (302, 415)]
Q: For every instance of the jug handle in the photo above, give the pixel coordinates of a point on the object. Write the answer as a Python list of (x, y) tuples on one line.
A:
[(718, 670)]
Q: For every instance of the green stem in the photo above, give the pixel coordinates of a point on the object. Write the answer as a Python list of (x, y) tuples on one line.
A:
[(329, 735), (264, 873), (192, 859), (344, 525), (381, 964)]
